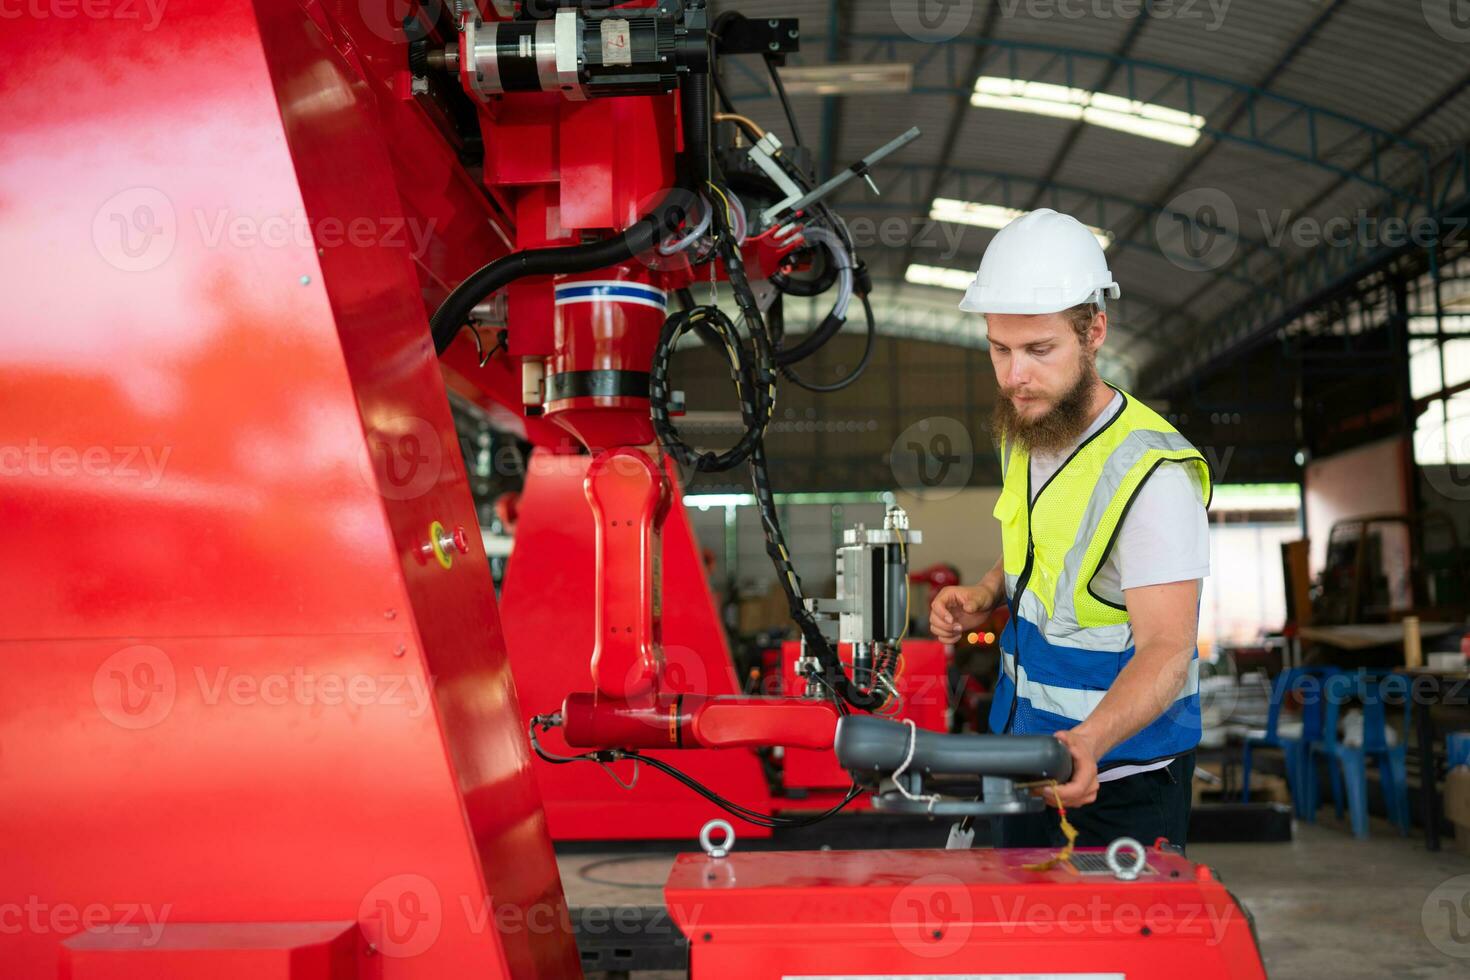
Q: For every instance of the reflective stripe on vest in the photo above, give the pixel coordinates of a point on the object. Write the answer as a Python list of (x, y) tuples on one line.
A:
[(1065, 645)]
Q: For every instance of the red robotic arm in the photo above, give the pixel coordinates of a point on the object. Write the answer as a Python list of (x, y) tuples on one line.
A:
[(603, 235)]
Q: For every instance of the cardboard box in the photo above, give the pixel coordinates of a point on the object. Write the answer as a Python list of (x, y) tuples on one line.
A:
[(763, 612), (1457, 805)]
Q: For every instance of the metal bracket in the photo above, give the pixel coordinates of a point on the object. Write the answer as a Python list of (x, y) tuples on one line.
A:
[(774, 37), (773, 214), (999, 797)]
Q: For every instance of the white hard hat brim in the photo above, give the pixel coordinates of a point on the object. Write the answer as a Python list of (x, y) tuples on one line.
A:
[(976, 300)]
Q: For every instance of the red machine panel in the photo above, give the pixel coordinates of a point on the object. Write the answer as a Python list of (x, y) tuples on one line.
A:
[(219, 950), (768, 916), (234, 693)]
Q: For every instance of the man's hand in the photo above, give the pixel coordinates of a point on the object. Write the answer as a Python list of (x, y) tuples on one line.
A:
[(957, 609), (1081, 789)]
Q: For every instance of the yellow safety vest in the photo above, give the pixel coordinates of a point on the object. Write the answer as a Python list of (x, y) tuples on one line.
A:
[(1064, 644)]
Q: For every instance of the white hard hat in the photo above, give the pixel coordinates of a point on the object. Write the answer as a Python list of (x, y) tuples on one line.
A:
[(1042, 262)]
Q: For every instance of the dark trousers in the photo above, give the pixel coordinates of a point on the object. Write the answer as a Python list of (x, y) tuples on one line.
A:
[(1144, 806)]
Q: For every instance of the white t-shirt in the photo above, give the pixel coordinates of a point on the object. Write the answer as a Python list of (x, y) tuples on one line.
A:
[(1165, 536)]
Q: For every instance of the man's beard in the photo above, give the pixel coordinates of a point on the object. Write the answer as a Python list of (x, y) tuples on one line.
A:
[(1060, 427)]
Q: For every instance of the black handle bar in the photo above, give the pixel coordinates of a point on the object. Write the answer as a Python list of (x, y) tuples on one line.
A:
[(868, 744)]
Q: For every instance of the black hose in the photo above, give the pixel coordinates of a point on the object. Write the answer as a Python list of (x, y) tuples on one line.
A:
[(809, 344), (857, 372), (455, 311), (695, 95), (826, 275), (785, 103), (827, 329)]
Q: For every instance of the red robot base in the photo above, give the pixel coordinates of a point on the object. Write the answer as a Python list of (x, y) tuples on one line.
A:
[(975, 914)]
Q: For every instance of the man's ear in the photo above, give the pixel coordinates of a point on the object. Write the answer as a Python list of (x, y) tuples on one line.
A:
[(1098, 332)]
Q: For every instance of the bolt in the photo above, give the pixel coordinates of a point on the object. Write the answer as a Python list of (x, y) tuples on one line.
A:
[(1145, 931), (708, 937), (306, 280), (400, 651), (938, 933), (774, 23), (774, 46), (793, 34), (389, 613)]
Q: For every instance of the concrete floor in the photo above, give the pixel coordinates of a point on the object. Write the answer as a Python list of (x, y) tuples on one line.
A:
[(1327, 907)]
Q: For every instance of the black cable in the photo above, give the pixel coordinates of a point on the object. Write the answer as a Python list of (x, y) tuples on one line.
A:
[(754, 409), (785, 103), (725, 104), (716, 35), (755, 383), (826, 274), (768, 820), (457, 307), (745, 813), (856, 373)]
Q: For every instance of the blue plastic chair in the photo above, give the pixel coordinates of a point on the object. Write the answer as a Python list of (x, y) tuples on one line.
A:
[(1295, 749), (1375, 692)]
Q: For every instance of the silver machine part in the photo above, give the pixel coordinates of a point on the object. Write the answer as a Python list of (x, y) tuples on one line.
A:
[(870, 610), (552, 46), (546, 52), (480, 65), (871, 604), (567, 44)]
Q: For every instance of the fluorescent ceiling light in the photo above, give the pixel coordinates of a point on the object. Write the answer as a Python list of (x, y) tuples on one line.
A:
[(1115, 112), (938, 275), (847, 79), (992, 216), (704, 501)]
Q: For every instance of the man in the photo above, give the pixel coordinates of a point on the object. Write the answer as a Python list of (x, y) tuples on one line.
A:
[(1105, 543)]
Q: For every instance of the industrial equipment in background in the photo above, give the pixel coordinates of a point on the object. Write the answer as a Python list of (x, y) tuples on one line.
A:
[(562, 160), (1382, 567)]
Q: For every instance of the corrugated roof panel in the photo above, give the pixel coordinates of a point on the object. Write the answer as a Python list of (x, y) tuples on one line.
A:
[(1048, 22), (1119, 163), (1376, 61), (1359, 63), (917, 19), (1012, 142), (1450, 122), (1233, 39)]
